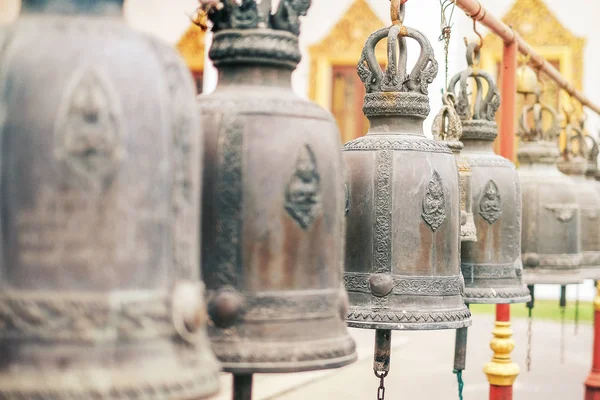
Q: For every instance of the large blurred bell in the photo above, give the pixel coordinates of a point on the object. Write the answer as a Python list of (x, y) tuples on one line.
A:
[(100, 174), (402, 261), (273, 207), (447, 127), (491, 266), (575, 164), (550, 247)]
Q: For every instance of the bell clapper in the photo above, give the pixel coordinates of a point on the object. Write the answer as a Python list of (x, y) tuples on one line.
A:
[(530, 304), (381, 359), (242, 387), (563, 306), (460, 358)]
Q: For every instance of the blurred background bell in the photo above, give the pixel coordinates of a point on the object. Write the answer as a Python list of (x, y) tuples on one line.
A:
[(491, 266), (273, 206), (100, 158)]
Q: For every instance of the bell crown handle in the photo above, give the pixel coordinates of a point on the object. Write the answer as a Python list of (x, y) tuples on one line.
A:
[(446, 124), (395, 78), (483, 107), (536, 132)]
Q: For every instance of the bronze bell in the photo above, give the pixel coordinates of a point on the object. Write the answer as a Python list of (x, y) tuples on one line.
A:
[(575, 165), (273, 206), (491, 266), (550, 247), (447, 127), (100, 294), (402, 260)]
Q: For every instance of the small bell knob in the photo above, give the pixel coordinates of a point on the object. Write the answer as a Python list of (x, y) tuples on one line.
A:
[(226, 307)]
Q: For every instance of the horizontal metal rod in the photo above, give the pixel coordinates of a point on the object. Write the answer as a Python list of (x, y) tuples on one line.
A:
[(474, 9)]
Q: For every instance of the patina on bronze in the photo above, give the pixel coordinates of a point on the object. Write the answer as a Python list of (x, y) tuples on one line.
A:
[(575, 164), (448, 128), (402, 268), (551, 241), (491, 266), (100, 295), (273, 206)]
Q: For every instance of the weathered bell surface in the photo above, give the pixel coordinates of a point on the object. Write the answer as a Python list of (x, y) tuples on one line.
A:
[(575, 165), (273, 207), (527, 81), (447, 127), (402, 249), (491, 266), (100, 295), (550, 242)]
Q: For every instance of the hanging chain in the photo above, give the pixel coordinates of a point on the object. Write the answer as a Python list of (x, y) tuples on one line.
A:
[(461, 383), (446, 28), (381, 388), (529, 341), (576, 310)]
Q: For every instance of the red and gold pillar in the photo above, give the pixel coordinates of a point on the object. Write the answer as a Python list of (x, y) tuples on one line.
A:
[(501, 371), (592, 383)]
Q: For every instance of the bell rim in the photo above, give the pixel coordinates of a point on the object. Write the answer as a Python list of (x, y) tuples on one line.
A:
[(284, 357), (198, 383), (497, 296), (422, 326), (462, 315)]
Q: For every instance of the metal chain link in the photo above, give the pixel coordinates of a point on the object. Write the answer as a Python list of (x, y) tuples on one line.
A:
[(381, 388), (446, 29), (529, 341)]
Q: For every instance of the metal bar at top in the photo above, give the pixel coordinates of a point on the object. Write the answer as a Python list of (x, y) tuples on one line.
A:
[(474, 9)]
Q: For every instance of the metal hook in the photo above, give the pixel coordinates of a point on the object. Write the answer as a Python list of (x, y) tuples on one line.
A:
[(397, 11)]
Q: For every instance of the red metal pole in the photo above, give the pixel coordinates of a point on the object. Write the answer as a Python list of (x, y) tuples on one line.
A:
[(501, 384), (476, 10), (592, 383)]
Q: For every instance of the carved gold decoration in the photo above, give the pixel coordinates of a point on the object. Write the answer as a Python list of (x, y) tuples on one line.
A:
[(537, 24), (342, 46), (597, 297), (501, 371), (191, 47)]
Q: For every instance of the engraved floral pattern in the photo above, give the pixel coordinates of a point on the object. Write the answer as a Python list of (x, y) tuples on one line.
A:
[(434, 202)]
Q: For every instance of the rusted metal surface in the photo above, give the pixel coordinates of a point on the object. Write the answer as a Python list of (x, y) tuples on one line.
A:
[(402, 261), (551, 239), (100, 188), (491, 266), (273, 206), (383, 344)]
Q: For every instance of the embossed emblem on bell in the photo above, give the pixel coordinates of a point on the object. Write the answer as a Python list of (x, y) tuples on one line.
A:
[(575, 164), (101, 296), (273, 206), (491, 266), (447, 127), (550, 247), (402, 268)]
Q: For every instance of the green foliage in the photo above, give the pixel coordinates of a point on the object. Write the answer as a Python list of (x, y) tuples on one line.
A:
[(543, 310)]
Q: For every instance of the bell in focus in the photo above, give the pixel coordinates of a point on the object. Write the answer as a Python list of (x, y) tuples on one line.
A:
[(273, 207), (575, 165), (448, 128), (100, 295), (550, 247), (491, 266), (402, 262)]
